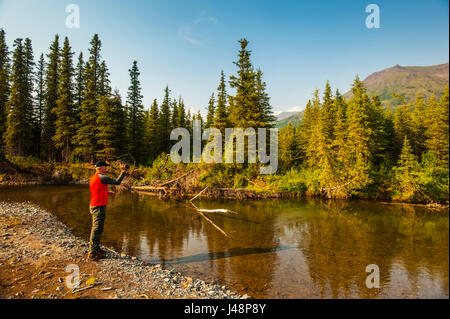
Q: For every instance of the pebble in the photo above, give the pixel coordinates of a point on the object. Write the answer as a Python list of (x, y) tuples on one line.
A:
[(144, 276)]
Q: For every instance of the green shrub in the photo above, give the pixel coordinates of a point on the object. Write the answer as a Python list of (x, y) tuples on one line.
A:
[(292, 182)]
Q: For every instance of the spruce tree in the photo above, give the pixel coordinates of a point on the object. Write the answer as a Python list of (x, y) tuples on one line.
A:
[(39, 105), (85, 139), (210, 111), (403, 126), (121, 139), (29, 94), (221, 115), (389, 142), (174, 113), (321, 157), (105, 130), (4, 87), (243, 106), (305, 129), (287, 146), (407, 172), (164, 122), (328, 113), (340, 142), (111, 129), (64, 110), (51, 96), (198, 116), (189, 121), (18, 126), (418, 126), (94, 63), (79, 84), (152, 133), (437, 126), (136, 114), (444, 106), (380, 139), (312, 130), (103, 81), (181, 113), (267, 118), (359, 135)]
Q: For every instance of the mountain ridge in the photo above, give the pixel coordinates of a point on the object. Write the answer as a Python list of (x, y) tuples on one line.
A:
[(406, 81)]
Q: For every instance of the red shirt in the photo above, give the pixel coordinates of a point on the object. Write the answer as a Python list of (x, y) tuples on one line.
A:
[(99, 191)]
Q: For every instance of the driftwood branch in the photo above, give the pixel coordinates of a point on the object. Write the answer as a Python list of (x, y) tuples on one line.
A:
[(201, 211), (219, 210), (176, 179), (204, 189), (212, 223)]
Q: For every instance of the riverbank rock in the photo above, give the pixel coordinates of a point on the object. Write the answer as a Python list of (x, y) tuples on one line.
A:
[(38, 252)]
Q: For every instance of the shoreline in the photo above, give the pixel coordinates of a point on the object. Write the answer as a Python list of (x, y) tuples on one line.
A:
[(224, 193), (36, 248), (245, 194)]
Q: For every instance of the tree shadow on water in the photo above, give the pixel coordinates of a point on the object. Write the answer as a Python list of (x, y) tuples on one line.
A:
[(232, 252)]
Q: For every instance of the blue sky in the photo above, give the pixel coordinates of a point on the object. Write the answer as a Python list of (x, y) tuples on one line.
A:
[(185, 44)]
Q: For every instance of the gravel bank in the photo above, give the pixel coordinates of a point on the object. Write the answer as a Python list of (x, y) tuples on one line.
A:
[(36, 248)]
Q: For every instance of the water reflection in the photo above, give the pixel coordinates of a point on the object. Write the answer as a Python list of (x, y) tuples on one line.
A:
[(277, 249)]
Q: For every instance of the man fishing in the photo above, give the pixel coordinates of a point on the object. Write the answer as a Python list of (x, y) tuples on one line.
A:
[(98, 185)]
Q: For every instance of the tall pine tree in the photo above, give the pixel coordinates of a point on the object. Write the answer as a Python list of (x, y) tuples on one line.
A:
[(221, 115), (85, 139), (39, 105), (244, 109), (210, 111), (164, 122), (418, 126), (111, 129), (18, 124), (152, 133), (359, 135), (79, 84), (4, 87), (65, 123), (136, 115), (50, 97)]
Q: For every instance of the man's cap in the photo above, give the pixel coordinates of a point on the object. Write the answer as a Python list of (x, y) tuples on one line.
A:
[(101, 163)]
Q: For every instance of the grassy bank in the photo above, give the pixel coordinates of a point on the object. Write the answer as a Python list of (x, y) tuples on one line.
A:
[(167, 179)]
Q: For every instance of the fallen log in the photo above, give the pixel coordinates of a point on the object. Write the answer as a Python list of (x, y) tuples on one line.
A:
[(201, 211), (212, 223), (176, 179), (204, 189), (148, 188), (219, 210)]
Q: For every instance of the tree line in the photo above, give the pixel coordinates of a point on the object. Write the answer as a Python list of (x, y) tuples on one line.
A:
[(58, 109), (357, 147)]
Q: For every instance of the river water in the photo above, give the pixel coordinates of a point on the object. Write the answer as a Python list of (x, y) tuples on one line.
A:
[(276, 248)]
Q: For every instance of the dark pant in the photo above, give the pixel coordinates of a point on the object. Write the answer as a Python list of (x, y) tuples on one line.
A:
[(98, 219)]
